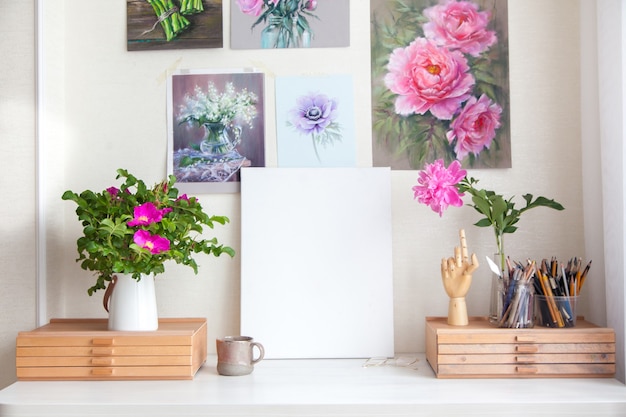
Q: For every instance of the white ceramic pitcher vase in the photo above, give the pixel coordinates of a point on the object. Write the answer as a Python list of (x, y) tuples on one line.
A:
[(131, 303)]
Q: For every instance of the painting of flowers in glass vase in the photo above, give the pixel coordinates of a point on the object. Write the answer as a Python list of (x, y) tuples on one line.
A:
[(275, 24), (315, 121), (216, 128), (440, 83)]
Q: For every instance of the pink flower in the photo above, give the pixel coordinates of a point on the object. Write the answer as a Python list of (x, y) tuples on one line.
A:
[(250, 7), (183, 197), (436, 186), (114, 192), (428, 77), (459, 25), (475, 127), (154, 243), (146, 214), (253, 7), (311, 5)]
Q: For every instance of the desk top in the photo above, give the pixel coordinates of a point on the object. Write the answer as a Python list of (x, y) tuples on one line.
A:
[(338, 387)]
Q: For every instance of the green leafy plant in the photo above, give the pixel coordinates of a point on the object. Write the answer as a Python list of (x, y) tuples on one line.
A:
[(500, 213), (135, 229), (440, 187)]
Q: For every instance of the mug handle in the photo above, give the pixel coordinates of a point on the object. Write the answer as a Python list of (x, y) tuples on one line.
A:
[(261, 351)]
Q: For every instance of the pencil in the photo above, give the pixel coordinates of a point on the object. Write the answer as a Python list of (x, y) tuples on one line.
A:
[(552, 304), (543, 283), (583, 276)]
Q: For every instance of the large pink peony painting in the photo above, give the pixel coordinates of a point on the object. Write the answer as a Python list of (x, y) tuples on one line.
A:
[(440, 87)]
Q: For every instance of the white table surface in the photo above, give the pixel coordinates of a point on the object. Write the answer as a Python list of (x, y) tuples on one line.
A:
[(320, 387)]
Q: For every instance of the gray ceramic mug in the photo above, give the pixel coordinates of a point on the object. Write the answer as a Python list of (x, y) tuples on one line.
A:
[(235, 355)]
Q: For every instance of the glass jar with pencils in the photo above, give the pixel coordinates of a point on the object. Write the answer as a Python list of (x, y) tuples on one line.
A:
[(517, 304), (515, 300), (555, 311), (558, 287)]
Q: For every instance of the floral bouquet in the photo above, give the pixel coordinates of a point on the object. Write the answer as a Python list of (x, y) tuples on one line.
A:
[(212, 106), (443, 83), (135, 229), (316, 115), (440, 187), (288, 26), (220, 114)]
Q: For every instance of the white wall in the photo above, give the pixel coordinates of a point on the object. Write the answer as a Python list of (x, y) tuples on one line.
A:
[(18, 259), (611, 68), (114, 116), (105, 108)]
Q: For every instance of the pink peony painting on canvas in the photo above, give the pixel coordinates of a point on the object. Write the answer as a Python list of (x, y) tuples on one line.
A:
[(440, 87)]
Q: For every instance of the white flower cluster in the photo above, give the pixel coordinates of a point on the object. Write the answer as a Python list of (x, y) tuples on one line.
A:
[(215, 107)]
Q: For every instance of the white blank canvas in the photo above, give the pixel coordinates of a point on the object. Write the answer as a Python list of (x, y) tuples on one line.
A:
[(316, 267)]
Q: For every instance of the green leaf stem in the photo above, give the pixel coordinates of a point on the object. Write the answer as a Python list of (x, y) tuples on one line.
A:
[(499, 213)]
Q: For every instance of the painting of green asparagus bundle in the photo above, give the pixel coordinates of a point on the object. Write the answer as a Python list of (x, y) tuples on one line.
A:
[(188, 7), (173, 24), (170, 18)]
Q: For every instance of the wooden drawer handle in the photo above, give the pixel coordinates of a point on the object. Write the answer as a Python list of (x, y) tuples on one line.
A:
[(102, 351), (102, 371), (526, 348), (526, 359), (525, 369), (102, 342), (525, 339), (102, 361)]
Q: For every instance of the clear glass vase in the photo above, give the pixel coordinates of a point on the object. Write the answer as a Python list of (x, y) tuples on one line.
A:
[(220, 140), (497, 286), (496, 302), (284, 33)]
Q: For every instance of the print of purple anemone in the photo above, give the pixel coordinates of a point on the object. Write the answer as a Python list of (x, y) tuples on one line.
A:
[(313, 113)]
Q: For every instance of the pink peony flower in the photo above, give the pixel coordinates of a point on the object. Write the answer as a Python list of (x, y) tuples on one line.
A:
[(253, 7), (436, 186), (146, 214), (475, 127), (154, 243), (459, 25), (428, 77)]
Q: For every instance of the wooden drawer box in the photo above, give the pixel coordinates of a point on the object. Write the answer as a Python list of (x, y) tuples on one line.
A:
[(481, 350), (83, 349)]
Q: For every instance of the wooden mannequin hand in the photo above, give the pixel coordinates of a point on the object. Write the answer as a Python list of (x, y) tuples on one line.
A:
[(456, 272)]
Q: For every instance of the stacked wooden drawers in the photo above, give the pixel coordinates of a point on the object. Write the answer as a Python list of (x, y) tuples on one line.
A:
[(481, 350), (83, 349)]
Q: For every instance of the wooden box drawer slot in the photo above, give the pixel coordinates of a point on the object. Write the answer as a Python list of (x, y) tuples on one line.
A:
[(107, 373), (503, 348)]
